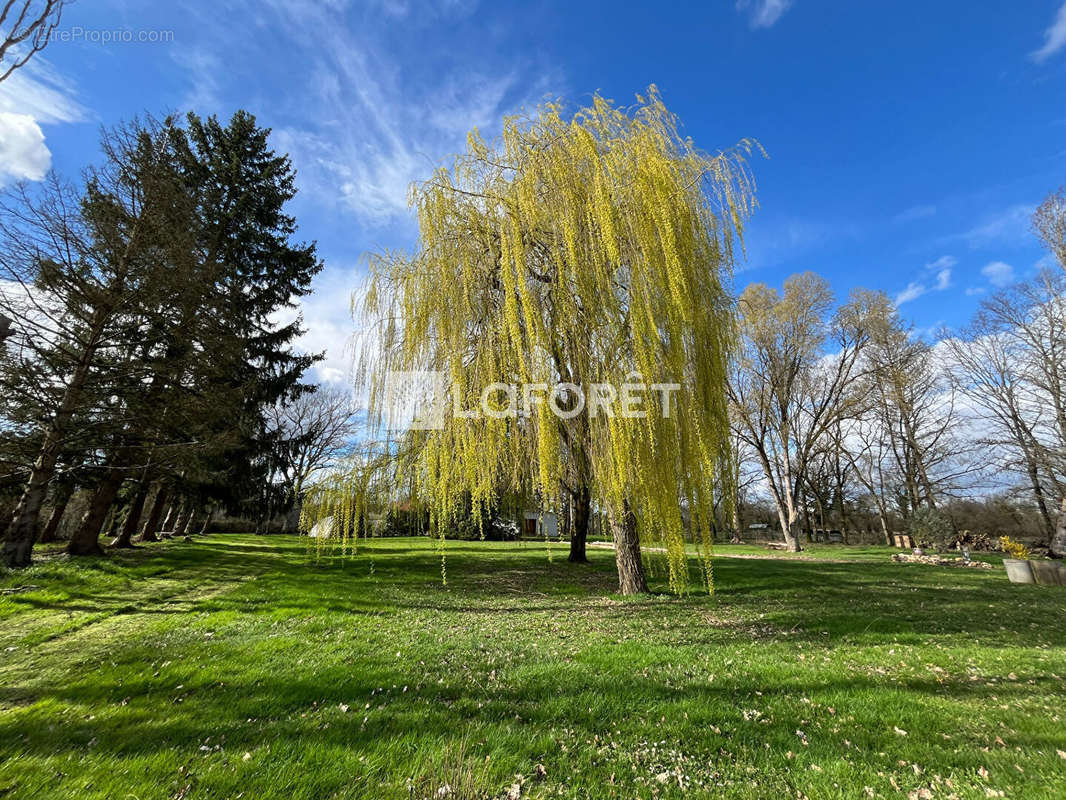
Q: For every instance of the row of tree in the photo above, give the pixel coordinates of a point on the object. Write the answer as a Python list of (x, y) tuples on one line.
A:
[(144, 366), (832, 403)]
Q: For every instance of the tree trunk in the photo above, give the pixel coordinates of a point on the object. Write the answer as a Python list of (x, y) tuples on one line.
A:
[(22, 532), (207, 522), (59, 507), (884, 528), (172, 516), (807, 530), (18, 541), (788, 528), (133, 516), (1038, 495), (579, 532), (631, 578), (735, 520), (182, 526), (86, 539), (1058, 542), (151, 525), (792, 536)]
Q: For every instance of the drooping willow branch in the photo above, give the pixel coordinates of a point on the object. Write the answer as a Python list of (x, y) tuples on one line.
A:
[(591, 247)]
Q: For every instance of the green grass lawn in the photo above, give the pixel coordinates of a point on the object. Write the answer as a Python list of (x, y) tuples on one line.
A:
[(242, 666)]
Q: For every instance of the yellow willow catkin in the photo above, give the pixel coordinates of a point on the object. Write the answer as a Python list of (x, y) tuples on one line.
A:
[(595, 246)]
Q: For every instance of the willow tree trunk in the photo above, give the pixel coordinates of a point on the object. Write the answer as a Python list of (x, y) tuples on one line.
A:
[(579, 533), (59, 507), (86, 539), (133, 517), (631, 577), (1058, 541), (151, 525)]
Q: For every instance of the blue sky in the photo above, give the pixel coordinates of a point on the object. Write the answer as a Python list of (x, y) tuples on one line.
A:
[(908, 142)]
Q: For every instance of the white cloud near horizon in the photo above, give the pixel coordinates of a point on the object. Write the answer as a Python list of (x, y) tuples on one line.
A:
[(764, 13), (1054, 38)]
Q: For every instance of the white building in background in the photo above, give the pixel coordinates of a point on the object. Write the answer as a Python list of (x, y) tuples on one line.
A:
[(540, 524)]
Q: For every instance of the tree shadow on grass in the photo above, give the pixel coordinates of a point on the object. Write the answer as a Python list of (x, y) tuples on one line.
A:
[(519, 718)]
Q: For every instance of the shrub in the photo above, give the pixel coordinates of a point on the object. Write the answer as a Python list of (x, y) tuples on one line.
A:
[(1013, 549)]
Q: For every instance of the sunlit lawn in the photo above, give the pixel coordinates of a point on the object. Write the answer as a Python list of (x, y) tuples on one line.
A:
[(243, 666)]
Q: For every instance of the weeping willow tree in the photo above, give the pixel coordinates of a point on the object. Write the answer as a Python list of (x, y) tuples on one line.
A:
[(588, 248)]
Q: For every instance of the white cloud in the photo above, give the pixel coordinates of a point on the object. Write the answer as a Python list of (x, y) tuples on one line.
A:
[(944, 262), (973, 291), (939, 271), (369, 122), (23, 153), (764, 13), (364, 115), (930, 332), (30, 97), (912, 292), (1054, 37), (998, 273), (204, 69), (1009, 225), (37, 90), (327, 321)]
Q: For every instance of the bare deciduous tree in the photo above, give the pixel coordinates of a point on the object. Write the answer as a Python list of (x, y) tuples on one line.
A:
[(1012, 363), (988, 369), (26, 27), (907, 388), (318, 427), (791, 382)]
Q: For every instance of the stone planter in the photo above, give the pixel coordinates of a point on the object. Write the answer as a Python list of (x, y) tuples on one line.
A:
[(1048, 573), (1019, 571)]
